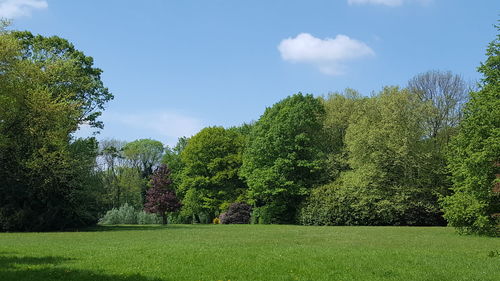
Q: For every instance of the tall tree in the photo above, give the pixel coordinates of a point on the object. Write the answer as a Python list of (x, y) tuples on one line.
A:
[(390, 159), (172, 158), (285, 157), (446, 93), (47, 89), (144, 154), (474, 159), (212, 159), (110, 161), (66, 70), (339, 107)]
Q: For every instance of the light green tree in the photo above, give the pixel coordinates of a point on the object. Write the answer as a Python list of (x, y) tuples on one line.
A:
[(391, 160), (144, 154), (212, 159)]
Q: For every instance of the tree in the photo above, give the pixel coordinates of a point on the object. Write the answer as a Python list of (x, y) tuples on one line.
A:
[(474, 158), (110, 160), (446, 93), (212, 159), (391, 161), (144, 154), (285, 157), (47, 90), (172, 158), (66, 71), (160, 199), (339, 107)]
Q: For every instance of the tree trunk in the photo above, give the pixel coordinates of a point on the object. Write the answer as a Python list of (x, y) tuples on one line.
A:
[(164, 218)]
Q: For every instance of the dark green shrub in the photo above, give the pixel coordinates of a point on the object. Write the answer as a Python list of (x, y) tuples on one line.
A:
[(337, 204), (271, 214)]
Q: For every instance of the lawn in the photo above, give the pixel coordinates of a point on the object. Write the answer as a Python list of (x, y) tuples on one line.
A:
[(249, 252)]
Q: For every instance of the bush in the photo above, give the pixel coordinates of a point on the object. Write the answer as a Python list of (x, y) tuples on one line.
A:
[(238, 213), (126, 214), (337, 204), (146, 218), (331, 205)]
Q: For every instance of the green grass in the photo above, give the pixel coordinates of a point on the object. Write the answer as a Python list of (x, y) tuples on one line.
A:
[(249, 252)]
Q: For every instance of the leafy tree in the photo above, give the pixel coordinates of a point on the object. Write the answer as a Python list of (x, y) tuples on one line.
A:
[(339, 107), (110, 160), (160, 199), (128, 187), (66, 71), (285, 157), (390, 159), (211, 159), (172, 158), (474, 158), (47, 89), (144, 154)]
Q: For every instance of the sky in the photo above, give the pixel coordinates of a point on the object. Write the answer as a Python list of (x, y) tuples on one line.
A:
[(175, 67)]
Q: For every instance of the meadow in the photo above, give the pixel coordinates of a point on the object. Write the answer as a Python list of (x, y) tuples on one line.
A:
[(249, 252)]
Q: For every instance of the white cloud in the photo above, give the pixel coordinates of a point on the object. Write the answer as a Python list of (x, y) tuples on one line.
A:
[(327, 54), (168, 124), (18, 8), (390, 3)]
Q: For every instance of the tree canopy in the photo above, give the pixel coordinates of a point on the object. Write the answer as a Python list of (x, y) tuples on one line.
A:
[(47, 90), (285, 156), (211, 160), (474, 158)]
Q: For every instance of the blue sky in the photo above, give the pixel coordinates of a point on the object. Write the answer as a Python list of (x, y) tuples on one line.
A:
[(178, 66)]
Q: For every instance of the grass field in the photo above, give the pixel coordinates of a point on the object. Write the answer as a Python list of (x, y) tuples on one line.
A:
[(249, 252)]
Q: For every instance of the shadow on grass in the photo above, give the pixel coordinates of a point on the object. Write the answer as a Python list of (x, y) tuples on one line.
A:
[(98, 228), (13, 268)]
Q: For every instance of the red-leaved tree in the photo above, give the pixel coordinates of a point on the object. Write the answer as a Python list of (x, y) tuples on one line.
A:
[(160, 198)]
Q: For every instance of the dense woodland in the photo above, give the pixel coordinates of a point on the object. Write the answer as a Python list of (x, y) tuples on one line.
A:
[(425, 153)]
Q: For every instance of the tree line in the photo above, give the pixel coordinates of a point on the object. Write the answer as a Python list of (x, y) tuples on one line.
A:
[(423, 154)]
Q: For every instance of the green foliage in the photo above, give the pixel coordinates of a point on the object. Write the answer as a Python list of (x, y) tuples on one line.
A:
[(339, 107), (389, 156), (285, 157), (144, 154), (128, 185), (475, 156), (65, 70), (337, 205), (211, 160), (172, 158), (127, 214), (147, 218), (47, 89), (385, 171)]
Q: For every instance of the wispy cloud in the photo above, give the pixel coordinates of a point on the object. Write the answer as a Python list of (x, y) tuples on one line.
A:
[(168, 124), (390, 3), (11, 9), (328, 54)]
